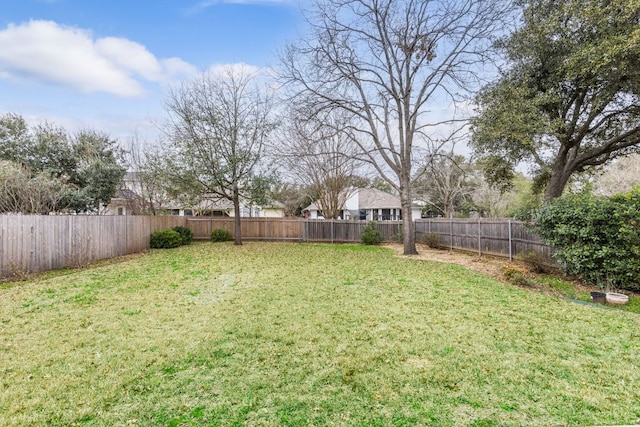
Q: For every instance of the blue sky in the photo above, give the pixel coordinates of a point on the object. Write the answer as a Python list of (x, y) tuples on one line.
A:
[(106, 64)]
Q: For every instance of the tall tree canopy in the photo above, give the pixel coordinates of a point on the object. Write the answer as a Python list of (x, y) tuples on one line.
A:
[(387, 63), (569, 100), (218, 125), (77, 173)]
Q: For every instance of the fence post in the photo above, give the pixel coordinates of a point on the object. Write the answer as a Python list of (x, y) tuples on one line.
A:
[(510, 241), (479, 239), (451, 233), (332, 231)]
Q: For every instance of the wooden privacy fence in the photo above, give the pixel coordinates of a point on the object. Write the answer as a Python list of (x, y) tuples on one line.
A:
[(501, 237), (292, 229), (30, 243), (252, 228)]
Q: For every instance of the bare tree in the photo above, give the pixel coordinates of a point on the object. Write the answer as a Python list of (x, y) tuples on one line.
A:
[(27, 193), (489, 200), (444, 182), (219, 123), (316, 151), (386, 62), (621, 176), (148, 177)]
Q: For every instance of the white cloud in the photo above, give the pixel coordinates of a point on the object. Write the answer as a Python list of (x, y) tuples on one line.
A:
[(176, 68), (237, 69), (47, 52)]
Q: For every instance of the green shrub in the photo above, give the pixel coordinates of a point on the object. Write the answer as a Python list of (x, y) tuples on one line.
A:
[(535, 262), (220, 235), (432, 240), (371, 235), (165, 239), (596, 238), (185, 234)]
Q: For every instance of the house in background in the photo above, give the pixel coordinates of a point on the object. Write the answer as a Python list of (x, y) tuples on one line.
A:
[(124, 202), (224, 209), (368, 204), (127, 201), (272, 210)]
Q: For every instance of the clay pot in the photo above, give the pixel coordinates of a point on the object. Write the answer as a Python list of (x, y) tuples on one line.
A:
[(617, 299)]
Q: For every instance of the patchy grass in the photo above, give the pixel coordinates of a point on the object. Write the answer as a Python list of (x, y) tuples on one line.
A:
[(290, 334)]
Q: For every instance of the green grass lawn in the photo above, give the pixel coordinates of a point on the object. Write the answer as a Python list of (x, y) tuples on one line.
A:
[(302, 334)]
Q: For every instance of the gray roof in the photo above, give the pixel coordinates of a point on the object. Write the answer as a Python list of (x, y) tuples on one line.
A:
[(125, 194), (220, 205), (370, 198), (273, 205)]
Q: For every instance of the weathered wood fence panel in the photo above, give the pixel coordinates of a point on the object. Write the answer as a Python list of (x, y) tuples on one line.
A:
[(252, 228), (501, 237), (30, 243), (292, 229), (346, 231)]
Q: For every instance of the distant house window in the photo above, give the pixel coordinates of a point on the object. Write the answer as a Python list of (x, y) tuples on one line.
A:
[(386, 214), (363, 214), (188, 212), (175, 212), (120, 210)]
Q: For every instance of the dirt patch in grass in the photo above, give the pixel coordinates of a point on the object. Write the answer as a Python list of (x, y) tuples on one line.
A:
[(553, 283), (485, 264)]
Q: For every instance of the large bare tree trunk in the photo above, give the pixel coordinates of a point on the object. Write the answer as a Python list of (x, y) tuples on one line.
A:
[(237, 236), (408, 226)]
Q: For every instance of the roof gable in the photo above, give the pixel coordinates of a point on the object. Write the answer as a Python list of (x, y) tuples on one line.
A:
[(372, 198), (369, 198)]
